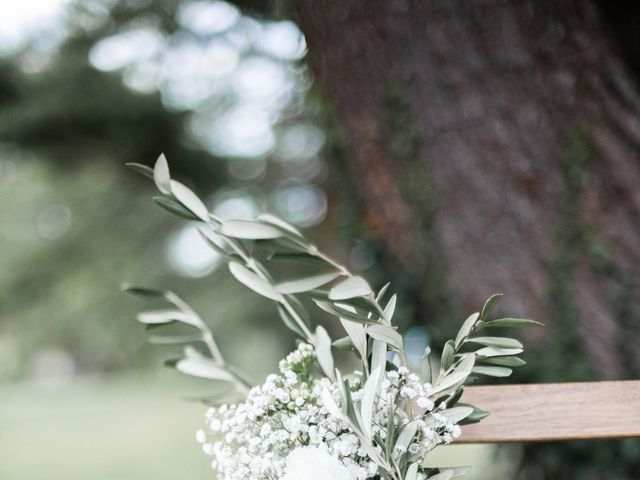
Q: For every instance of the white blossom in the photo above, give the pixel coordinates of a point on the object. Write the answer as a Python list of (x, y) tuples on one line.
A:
[(256, 439)]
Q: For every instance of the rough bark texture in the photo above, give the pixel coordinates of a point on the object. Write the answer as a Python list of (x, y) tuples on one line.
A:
[(507, 135)]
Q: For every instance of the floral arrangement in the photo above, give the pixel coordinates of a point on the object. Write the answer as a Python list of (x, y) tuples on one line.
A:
[(311, 420)]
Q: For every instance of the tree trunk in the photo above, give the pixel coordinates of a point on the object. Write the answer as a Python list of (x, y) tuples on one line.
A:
[(496, 142)]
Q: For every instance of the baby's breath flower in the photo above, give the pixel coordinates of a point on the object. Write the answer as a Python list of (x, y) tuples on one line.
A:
[(253, 440)]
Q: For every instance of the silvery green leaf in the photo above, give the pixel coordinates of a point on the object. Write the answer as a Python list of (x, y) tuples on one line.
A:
[(378, 355), (456, 414), (305, 284), (323, 352), (404, 439), (141, 169), (330, 404), (466, 362), (143, 291), (466, 328), (382, 291), (171, 205), (167, 316), (489, 305), (289, 322), (198, 365), (447, 355), (299, 257), (498, 352), (272, 219), (513, 322), (342, 312), (249, 230), (450, 380), (505, 361), (390, 309), (475, 417), (253, 281), (190, 200), (385, 333), (499, 342), (492, 371), (345, 344), (214, 246), (412, 472), (426, 365), (368, 400), (298, 307), (161, 175), (357, 335), (349, 288), (458, 375)]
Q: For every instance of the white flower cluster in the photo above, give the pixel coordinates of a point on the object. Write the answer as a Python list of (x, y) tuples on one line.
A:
[(252, 440)]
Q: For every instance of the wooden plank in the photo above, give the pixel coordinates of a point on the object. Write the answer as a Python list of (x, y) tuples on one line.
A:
[(554, 411)]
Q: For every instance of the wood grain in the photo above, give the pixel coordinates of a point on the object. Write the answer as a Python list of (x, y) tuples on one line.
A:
[(554, 411)]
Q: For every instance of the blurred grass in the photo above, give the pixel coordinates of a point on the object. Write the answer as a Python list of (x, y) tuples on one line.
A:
[(129, 427), (117, 428)]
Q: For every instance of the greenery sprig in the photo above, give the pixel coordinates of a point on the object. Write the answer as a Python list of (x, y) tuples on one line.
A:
[(251, 248)]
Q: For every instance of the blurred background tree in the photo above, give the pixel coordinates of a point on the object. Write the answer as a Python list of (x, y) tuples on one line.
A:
[(459, 149)]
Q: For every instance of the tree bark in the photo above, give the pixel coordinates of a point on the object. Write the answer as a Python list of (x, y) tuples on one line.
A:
[(504, 137)]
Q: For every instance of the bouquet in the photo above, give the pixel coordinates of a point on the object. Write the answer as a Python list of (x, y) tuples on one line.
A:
[(311, 420)]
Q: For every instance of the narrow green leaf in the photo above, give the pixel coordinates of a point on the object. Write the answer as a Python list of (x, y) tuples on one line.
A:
[(214, 246), (447, 355), (492, 371), (278, 222), (198, 365), (499, 342), (369, 400), (378, 356), (190, 200), (456, 414), (504, 361), (305, 284), (475, 417), (342, 312), (404, 439), (498, 352), (167, 316), (249, 230), (289, 322), (253, 281), (161, 175), (356, 333), (172, 205), (450, 380), (323, 352), (349, 288), (141, 169), (466, 328), (298, 257), (390, 308), (426, 365), (382, 291), (144, 292), (345, 344), (385, 333), (489, 305), (513, 322)]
